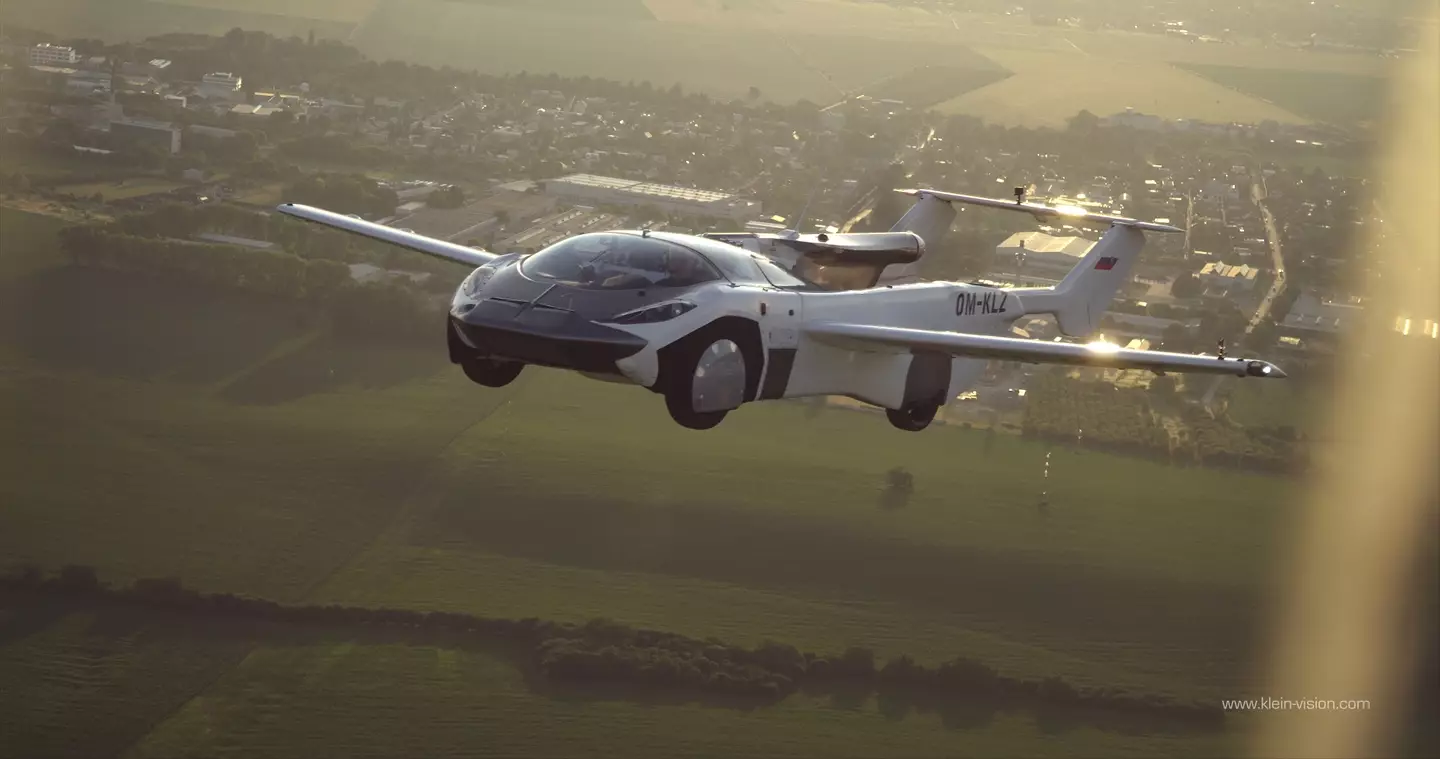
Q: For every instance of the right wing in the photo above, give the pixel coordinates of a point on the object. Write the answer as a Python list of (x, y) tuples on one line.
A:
[(1063, 214), (962, 345), (430, 246)]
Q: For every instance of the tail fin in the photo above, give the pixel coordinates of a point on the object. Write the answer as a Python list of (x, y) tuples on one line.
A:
[(1080, 299), (930, 218)]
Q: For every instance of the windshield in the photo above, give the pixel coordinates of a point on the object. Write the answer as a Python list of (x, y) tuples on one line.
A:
[(618, 261)]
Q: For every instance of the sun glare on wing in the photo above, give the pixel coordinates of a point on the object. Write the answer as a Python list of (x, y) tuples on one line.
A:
[(1071, 210), (1100, 346)]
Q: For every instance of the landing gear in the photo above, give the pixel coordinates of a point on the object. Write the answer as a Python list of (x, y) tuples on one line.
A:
[(707, 381), (914, 417), (490, 372)]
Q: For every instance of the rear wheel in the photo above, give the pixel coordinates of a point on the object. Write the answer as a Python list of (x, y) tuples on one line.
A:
[(914, 417), (707, 380), (491, 373)]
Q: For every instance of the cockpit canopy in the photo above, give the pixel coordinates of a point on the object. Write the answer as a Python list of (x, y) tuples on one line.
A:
[(619, 261)]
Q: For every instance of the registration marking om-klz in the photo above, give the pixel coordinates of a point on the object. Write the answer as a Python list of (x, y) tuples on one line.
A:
[(992, 302)]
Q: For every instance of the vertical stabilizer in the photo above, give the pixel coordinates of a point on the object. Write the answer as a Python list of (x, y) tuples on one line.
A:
[(1082, 298), (930, 218)]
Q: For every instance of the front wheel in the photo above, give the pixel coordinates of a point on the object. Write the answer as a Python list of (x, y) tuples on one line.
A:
[(708, 381), (491, 373), (914, 417)]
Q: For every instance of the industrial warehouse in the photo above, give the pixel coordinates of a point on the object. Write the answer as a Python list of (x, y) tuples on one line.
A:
[(598, 190)]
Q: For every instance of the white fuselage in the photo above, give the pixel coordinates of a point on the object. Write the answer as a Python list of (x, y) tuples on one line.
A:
[(816, 368)]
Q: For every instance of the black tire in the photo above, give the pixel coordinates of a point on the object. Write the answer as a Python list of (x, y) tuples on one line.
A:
[(680, 377), (687, 417), (491, 373), (914, 417)]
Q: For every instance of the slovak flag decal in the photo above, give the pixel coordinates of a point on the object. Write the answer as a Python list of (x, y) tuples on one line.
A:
[(1107, 263)]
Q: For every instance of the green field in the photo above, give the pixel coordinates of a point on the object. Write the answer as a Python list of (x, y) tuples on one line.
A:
[(27, 242), (926, 86), (230, 442), (141, 685), (1334, 97), (1261, 404)]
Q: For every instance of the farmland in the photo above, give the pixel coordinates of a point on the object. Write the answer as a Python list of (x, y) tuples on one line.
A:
[(1050, 87), (27, 242), (819, 50), (121, 20), (928, 86), (339, 11), (169, 688), (1334, 97)]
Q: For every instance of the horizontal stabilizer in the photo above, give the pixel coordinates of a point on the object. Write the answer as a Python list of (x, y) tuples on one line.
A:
[(868, 337), (430, 246), (1064, 214)]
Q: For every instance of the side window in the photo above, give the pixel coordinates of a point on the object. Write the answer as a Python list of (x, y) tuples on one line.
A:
[(778, 276), (740, 269)]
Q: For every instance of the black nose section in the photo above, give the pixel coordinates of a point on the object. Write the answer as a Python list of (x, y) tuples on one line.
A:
[(545, 336)]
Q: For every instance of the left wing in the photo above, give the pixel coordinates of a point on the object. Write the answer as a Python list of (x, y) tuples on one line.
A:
[(962, 345), (430, 246)]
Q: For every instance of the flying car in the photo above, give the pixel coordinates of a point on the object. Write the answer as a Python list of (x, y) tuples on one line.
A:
[(714, 321)]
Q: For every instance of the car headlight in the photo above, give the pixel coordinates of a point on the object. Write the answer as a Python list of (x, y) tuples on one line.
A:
[(477, 279), (657, 313)]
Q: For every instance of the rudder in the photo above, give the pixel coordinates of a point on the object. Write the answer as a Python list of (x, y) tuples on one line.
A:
[(1081, 299)]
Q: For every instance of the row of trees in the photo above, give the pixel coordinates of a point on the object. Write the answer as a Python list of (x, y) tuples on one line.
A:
[(1094, 414), (1122, 420), (1218, 442), (602, 651), (343, 193)]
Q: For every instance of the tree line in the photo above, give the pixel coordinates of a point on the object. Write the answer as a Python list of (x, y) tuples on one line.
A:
[(1104, 417), (605, 652)]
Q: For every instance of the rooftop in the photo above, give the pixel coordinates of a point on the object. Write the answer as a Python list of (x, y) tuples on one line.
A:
[(1039, 242), (1311, 311), (1244, 271), (669, 192)]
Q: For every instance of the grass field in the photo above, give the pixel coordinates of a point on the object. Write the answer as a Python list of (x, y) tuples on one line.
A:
[(140, 685), (1257, 404), (82, 684), (27, 242), (1334, 97), (927, 86)]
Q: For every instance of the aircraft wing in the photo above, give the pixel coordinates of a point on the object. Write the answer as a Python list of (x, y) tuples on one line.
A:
[(430, 246), (1062, 214), (962, 345)]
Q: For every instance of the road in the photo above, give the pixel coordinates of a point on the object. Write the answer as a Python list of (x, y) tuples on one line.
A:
[(1258, 193)]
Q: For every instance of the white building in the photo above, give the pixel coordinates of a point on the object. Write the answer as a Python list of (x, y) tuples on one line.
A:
[(220, 84), (592, 189), (1027, 258), (46, 54), (1228, 277)]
